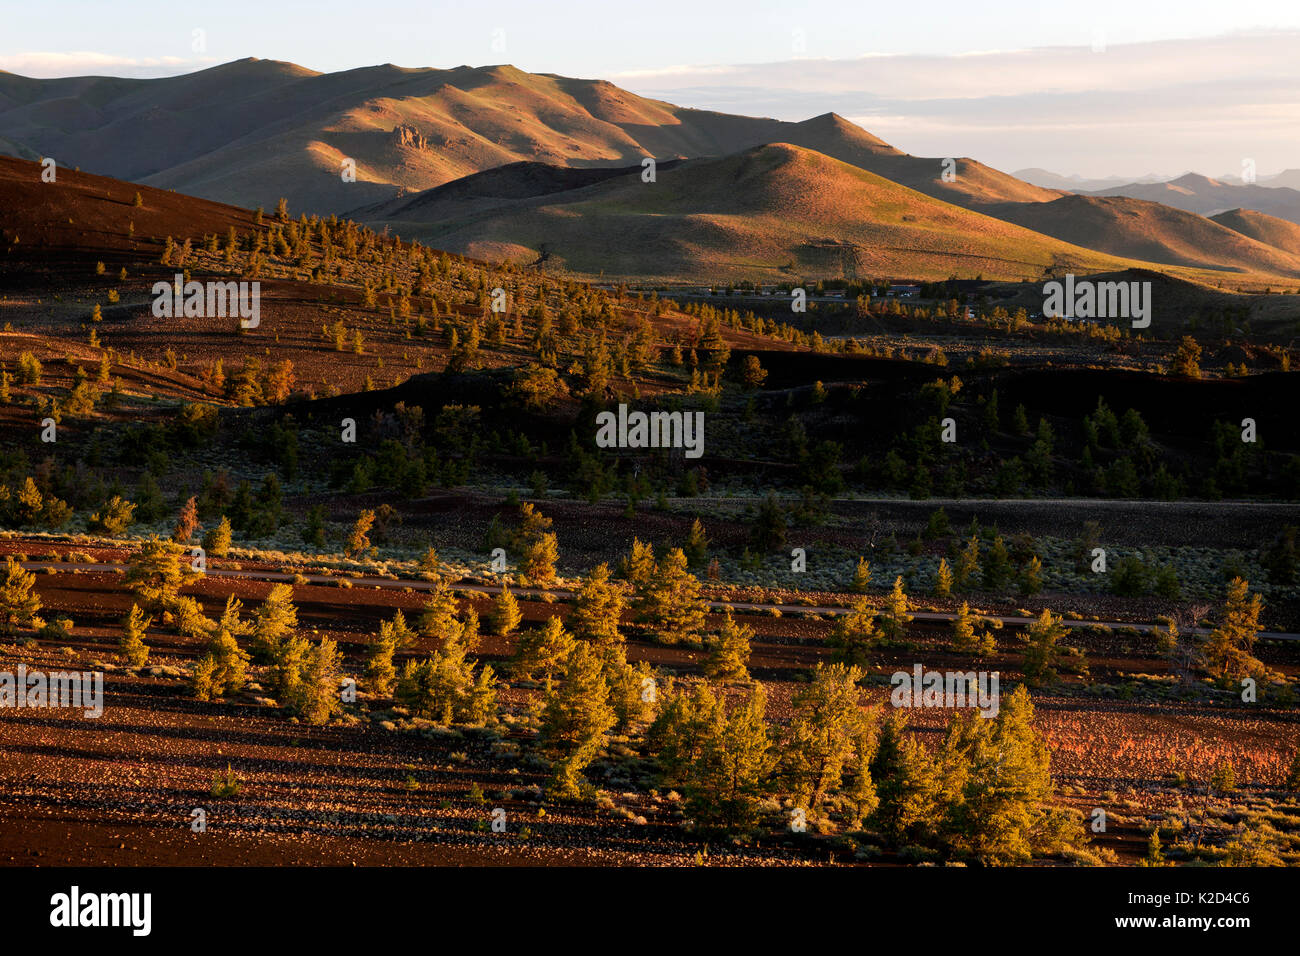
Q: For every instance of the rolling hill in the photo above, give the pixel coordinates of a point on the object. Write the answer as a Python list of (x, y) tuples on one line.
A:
[(1269, 230), (1138, 229), (1205, 196), (1075, 183), (458, 154), (772, 211), (251, 131)]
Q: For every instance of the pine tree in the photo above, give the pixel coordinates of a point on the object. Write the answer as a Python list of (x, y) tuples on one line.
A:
[(532, 525), (225, 665), (676, 737), (505, 616), (314, 697), (630, 687), (1227, 653), (287, 663), (598, 607), (827, 725), (537, 566), (396, 630), (217, 541), (359, 539), (537, 546), (1187, 359), (19, 602), (995, 782), (860, 792), (966, 639), (724, 785), (906, 787), (997, 567), (380, 674), (943, 580), (639, 566), (157, 574), (861, 577), (576, 720), (274, 620), (729, 652), (134, 650), (545, 650), (114, 517), (1031, 579), (439, 617), (1155, 855), (893, 625), (1041, 651), (430, 564), (444, 688), (697, 545), (968, 565), (1223, 779), (669, 604), (854, 635)]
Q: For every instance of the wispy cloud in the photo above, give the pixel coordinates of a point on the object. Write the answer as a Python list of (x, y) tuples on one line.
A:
[(89, 63), (1169, 105)]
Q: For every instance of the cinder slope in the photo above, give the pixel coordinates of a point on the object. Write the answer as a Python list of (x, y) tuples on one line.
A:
[(770, 211), (1269, 230), (251, 131), (1207, 197), (1137, 229)]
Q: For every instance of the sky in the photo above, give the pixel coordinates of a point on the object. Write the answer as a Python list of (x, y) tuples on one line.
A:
[(1123, 87)]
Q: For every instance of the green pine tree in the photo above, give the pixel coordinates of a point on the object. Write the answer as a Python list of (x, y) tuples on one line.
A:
[(216, 542), (943, 580), (906, 784), (1228, 652), (827, 726), (854, 635), (729, 652), (598, 607), (505, 616), (274, 620), (861, 577), (19, 602), (545, 651), (380, 674), (576, 720), (134, 650), (697, 545), (669, 603), (893, 623)]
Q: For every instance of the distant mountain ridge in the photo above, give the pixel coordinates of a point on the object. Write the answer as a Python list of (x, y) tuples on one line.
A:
[(496, 161), (1140, 229), (770, 212), (252, 131)]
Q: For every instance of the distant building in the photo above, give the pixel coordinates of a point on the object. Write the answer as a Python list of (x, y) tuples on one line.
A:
[(904, 291)]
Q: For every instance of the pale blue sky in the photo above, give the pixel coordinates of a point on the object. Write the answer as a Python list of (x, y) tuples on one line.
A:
[(600, 37), (1105, 87)]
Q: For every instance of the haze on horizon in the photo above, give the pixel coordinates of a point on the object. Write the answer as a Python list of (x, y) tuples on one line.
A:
[(1113, 88)]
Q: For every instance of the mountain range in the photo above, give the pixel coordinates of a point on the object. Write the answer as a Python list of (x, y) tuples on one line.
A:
[(499, 162)]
